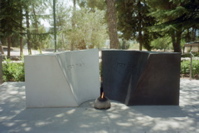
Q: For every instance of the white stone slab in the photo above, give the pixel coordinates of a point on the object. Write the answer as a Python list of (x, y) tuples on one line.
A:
[(62, 79)]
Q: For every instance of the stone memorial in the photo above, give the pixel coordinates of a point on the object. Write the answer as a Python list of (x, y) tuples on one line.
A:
[(62, 79), (141, 78)]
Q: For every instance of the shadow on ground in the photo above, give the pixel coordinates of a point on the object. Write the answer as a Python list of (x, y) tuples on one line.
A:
[(15, 118)]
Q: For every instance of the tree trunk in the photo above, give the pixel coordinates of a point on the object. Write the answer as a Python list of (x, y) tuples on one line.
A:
[(28, 32), (140, 39), (139, 25), (73, 25), (1, 72), (9, 46), (112, 24), (176, 39), (1, 48), (3, 43), (55, 27), (37, 43), (21, 46), (21, 38), (63, 41)]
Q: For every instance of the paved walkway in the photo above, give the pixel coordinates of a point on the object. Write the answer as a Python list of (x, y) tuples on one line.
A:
[(15, 118)]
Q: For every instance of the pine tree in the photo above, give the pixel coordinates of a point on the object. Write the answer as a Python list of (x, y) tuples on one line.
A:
[(174, 17), (133, 21)]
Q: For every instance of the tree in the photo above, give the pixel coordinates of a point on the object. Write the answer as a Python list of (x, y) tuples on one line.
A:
[(73, 23), (112, 24), (28, 32), (63, 21), (13, 15), (37, 31), (93, 4), (89, 31), (21, 30), (9, 19), (1, 72), (34, 30), (162, 43), (55, 28), (174, 17), (133, 21)]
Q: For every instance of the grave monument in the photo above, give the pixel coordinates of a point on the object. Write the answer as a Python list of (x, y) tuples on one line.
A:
[(62, 79), (141, 78)]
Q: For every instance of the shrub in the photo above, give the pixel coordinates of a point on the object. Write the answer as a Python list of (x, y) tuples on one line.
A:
[(13, 71), (185, 67)]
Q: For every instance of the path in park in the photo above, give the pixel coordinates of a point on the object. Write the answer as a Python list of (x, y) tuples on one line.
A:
[(16, 52), (16, 118)]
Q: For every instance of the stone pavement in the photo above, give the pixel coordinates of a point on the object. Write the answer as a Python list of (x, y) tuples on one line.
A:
[(15, 118)]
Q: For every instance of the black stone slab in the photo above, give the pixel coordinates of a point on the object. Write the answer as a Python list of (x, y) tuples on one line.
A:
[(141, 78)]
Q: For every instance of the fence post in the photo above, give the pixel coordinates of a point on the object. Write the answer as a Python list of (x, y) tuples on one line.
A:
[(191, 66), (1, 72)]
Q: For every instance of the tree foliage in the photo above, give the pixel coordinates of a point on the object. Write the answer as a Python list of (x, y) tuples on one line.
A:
[(133, 21), (174, 17), (89, 30), (9, 20), (93, 4), (162, 43), (85, 25), (9, 17), (145, 20), (13, 14)]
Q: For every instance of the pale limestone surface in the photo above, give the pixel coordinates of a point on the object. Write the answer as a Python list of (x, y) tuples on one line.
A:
[(16, 118), (62, 79)]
